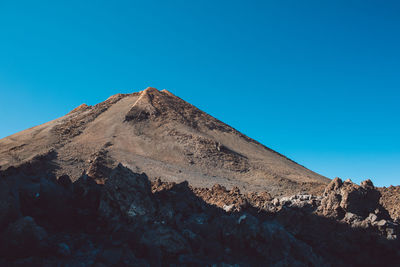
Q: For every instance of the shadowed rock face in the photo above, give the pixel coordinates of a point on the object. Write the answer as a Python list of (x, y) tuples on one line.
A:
[(122, 219), (158, 133)]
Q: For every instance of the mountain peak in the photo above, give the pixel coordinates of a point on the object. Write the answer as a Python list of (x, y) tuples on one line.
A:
[(153, 104), (150, 90), (164, 136)]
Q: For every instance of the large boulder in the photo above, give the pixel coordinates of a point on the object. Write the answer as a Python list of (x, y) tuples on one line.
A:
[(169, 241), (9, 204), (86, 197), (55, 203), (126, 195), (283, 249), (346, 197), (100, 166), (390, 200), (23, 238)]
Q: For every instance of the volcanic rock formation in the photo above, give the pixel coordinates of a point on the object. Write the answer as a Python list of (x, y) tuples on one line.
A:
[(127, 221)]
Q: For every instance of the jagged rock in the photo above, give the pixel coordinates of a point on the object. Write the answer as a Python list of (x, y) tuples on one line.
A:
[(334, 185), (260, 200), (63, 250), (65, 181), (23, 238), (241, 218), (367, 184), (275, 201), (228, 208), (129, 222), (100, 167), (218, 195), (330, 205), (390, 200), (9, 204), (168, 240), (126, 194), (235, 191), (372, 217), (110, 256), (86, 197), (351, 218), (56, 201), (303, 201), (391, 234), (340, 198), (381, 223), (284, 249)]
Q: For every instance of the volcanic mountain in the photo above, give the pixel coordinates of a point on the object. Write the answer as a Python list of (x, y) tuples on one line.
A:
[(160, 134), (76, 191)]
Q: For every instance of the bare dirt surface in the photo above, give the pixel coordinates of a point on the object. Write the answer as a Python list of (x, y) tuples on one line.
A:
[(158, 133)]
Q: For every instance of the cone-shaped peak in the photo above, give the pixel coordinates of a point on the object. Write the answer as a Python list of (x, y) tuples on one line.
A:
[(149, 93), (163, 106), (150, 90), (143, 108), (146, 96), (154, 97)]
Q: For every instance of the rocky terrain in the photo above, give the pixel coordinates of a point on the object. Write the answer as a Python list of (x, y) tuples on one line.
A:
[(391, 200), (147, 179), (158, 133), (116, 217)]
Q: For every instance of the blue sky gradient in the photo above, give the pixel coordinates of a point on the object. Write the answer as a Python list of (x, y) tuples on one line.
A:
[(319, 82)]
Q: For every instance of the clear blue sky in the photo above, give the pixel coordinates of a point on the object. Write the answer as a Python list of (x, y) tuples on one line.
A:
[(316, 81)]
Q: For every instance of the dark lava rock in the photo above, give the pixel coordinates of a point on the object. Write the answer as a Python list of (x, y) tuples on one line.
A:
[(65, 181), (9, 204), (23, 238), (169, 241), (126, 195), (124, 220)]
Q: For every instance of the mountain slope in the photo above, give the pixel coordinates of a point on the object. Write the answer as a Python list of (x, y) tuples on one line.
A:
[(158, 133)]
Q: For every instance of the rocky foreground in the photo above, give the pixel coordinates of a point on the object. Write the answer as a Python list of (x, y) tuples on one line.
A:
[(123, 219)]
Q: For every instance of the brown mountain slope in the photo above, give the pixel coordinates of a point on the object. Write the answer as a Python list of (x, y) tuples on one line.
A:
[(160, 134)]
